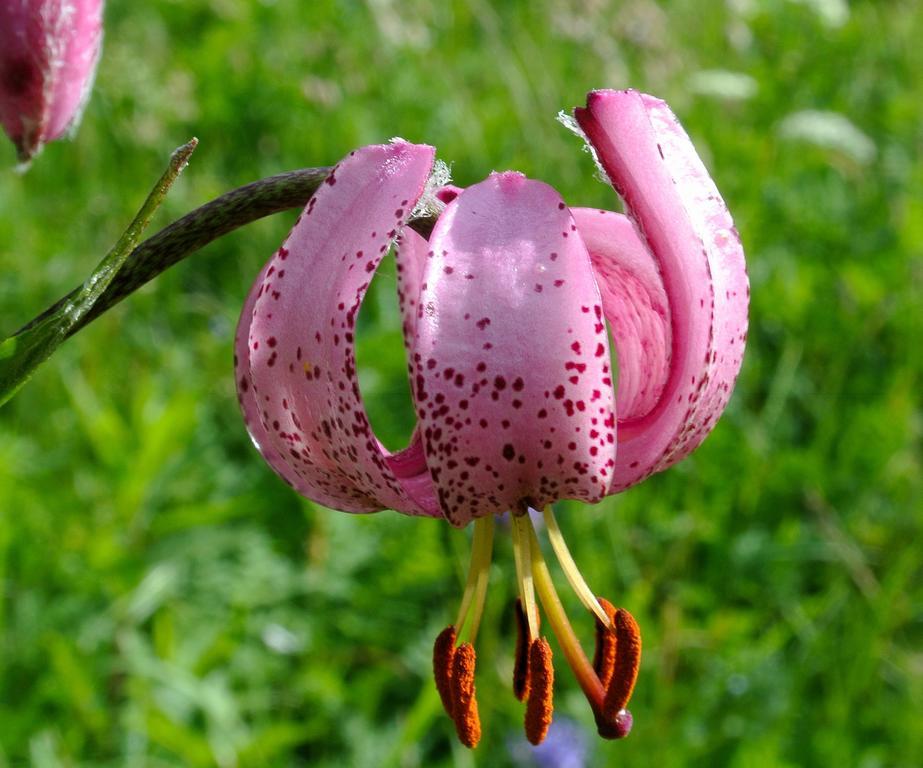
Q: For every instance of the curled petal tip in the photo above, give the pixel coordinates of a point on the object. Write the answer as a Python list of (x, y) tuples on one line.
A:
[(684, 225)]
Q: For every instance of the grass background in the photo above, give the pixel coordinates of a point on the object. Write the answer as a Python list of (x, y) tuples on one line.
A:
[(167, 601)]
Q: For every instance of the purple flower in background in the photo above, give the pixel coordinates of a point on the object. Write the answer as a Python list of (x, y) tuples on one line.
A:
[(566, 746), (48, 55)]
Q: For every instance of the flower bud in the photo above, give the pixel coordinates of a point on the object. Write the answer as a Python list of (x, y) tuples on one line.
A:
[(48, 55)]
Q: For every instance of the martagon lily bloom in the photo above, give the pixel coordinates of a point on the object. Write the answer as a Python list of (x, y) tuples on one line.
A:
[(504, 319), (49, 50)]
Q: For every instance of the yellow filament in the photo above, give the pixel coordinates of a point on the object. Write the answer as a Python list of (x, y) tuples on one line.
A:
[(478, 573), (560, 625), (522, 554), (570, 569)]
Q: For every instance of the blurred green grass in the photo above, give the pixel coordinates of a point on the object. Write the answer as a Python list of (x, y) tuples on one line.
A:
[(167, 601)]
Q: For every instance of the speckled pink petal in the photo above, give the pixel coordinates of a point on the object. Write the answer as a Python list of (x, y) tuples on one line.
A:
[(301, 349), (246, 398), (510, 357), (48, 55), (686, 225), (634, 303)]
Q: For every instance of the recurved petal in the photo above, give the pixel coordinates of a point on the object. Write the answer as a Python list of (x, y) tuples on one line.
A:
[(510, 357), (313, 427), (246, 398), (686, 225)]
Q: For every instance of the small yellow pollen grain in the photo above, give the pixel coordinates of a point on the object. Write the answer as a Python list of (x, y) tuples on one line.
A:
[(308, 367)]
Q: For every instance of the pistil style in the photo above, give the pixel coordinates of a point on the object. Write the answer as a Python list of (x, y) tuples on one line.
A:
[(608, 700)]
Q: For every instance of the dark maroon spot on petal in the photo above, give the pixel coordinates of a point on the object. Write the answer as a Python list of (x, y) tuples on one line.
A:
[(559, 391), (509, 453), (271, 341), (518, 384), (483, 323)]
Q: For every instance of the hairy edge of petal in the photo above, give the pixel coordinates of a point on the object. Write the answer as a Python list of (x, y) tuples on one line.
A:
[(300, 343), (509, 354), (685, 223)]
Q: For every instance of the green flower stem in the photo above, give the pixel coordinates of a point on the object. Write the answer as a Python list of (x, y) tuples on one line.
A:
[(195, 230)]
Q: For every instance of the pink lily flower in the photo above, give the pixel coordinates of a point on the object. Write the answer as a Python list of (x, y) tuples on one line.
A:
[(49, 50), (504, 318)]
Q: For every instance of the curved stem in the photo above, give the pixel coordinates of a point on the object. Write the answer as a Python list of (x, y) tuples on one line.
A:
[(197, 229)]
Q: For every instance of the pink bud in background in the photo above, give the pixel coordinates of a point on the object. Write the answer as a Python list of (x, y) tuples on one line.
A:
[(48, 55)]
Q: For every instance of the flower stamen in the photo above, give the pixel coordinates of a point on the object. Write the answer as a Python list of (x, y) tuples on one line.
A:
[(453, 668), (570, 569), (627, 661), (522, 555), (540, 704), (560, 625), (443, 656), (521, 677), (606, 645), (478, 571), (464, 701)]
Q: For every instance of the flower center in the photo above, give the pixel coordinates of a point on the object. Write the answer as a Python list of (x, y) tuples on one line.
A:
[(607, 683)]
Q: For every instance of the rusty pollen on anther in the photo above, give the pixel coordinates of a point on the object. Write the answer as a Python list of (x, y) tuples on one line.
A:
[(604, 657), (443, 655), (540, 704), (464, 702), (627, 661)]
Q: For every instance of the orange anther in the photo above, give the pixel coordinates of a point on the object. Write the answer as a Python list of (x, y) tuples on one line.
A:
[(540, 705), (464, 703), (606, 643), (443, 653), (627, 661)]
